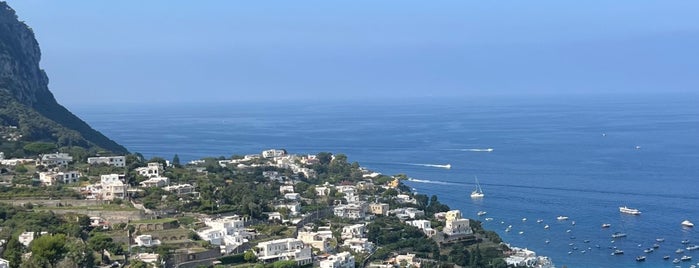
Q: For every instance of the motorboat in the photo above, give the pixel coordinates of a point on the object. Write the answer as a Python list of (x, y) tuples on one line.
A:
[(641, 258), (618, 252), (686, 241), (666, 257), (693, 247), (629, 210), (679, 251), (648, 250), (606, 225), (546, 226), (481, 213), (660, 239), (686, 258), (618, 235), (561, 218), (687, 223)]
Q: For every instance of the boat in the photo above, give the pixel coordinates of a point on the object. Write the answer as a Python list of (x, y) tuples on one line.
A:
[(606, 225), (572, 223), (676, 261), (481, 213), (693, 247), (656, 246), (618, 252), (539, 221), (679, 251), (546, 226), (660, 239), (686, 241), (562, 218), (618, 235), (687, 223), (629, 210), (648, 250), (641, 258), (478, 192), (666, 257), (524, 219), (686, 258), (488, 219)]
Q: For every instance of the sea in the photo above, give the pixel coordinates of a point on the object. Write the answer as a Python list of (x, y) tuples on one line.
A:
[(579, 156)]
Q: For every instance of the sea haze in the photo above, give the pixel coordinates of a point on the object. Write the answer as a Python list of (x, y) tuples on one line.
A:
[(581, 157)]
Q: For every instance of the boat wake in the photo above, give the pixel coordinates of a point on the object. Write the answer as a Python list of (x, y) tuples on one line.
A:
[(477, 150), (447, 166), (431, 182)]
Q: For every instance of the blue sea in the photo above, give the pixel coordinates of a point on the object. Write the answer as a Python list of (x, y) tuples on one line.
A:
[(576, 156)]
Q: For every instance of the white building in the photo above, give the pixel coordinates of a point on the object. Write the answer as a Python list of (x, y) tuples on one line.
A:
[(52, 178), (180, 189), (273, 153), (113, 187), (294, 208), (322, 190), (456, 224), (147, 257), (353, 231), (154, 169), (286, 189), (351, 211), (320, 239), (57, 159), (340, 260), (4, 263), (117, 161), (424, 225), (284, 249), (359, 245), (155, 182), (146, 241), (228, 233), (292, 196)]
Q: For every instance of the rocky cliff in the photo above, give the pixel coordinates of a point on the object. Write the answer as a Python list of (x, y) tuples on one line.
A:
[(25, 99)]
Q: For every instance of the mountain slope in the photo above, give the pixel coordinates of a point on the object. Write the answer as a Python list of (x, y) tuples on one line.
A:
[(25, 100)]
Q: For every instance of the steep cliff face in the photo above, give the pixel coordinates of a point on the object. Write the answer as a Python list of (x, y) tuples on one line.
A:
[(25, 99)]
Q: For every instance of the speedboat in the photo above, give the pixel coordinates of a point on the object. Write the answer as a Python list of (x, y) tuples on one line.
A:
[(546, 226), (660, 239), (656, 246), (481, 213), (686, 258), (641, 258), (666, 257), (561, 218), (618, 235), (676, 261), (679, 251), (539, 221), (629, 210), (687, 223), (488, 219), (606, 225), (693, 247), (618, 252), (648, 250), (686, 241)]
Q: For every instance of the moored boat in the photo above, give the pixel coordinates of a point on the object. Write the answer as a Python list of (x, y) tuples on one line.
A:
[(562, 218), (693, 247), (618, 235), (481, 213), (641, 258), (687, 223), (686, 258), (606, 225), (629, 210), (618, 252)]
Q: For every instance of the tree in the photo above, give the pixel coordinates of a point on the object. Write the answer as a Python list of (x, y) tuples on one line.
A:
[(40, 147), (13, 252), (49, 249), (250, 256), (101, 242), (176, 160)]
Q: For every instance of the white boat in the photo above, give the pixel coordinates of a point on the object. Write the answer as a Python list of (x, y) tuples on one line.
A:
[(539, 221), (606, 225), (660, 239), (478, 192), (488, 219), (687, 223), (561, 218), (694, 247), (628, 210), (679, 251), (524, 219), (686, 258), (481, 213), (546, 227), (618, 235)]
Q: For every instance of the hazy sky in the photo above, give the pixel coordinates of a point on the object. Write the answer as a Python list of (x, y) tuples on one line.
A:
[(145, 51)]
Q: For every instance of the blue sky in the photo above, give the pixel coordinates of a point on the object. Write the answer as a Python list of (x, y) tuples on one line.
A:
[(182, 51)]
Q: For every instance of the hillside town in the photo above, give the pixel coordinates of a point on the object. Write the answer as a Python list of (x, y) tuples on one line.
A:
[(270, 209)]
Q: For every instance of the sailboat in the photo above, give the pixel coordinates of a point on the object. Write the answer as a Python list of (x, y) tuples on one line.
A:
[(478, 192)]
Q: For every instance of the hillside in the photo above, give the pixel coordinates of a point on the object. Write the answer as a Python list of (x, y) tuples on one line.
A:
[(25, 100)]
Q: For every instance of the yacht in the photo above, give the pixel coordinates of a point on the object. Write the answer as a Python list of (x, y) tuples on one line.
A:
[(693, 247), (686, 241), (606, 225), (687, 223), (660, 239), (679, 251), (648, 250), (629, 210), (618, 235), (481, 213), (618, 252), (666, 257), (561, 218), (641, 258), (686, 258), (546, 226), (478, 192)]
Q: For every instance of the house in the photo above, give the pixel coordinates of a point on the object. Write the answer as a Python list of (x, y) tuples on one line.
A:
[(359, 245), (4, 263), (117, 161), (339, 260), (407, 213), (286, 189), (57, 159), (228, 233), (113, 187), (322, 190), (292, 196), (273, 153), (51, 178), (284, 249), (456, 224), (408, 259), (146, 241), (155, 182), (320, 239), (147, 257), (180, 189), (424, 225), (154, 169), (353, 231), (351, 211), (294, 208), (379, 208), (405, 199)]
